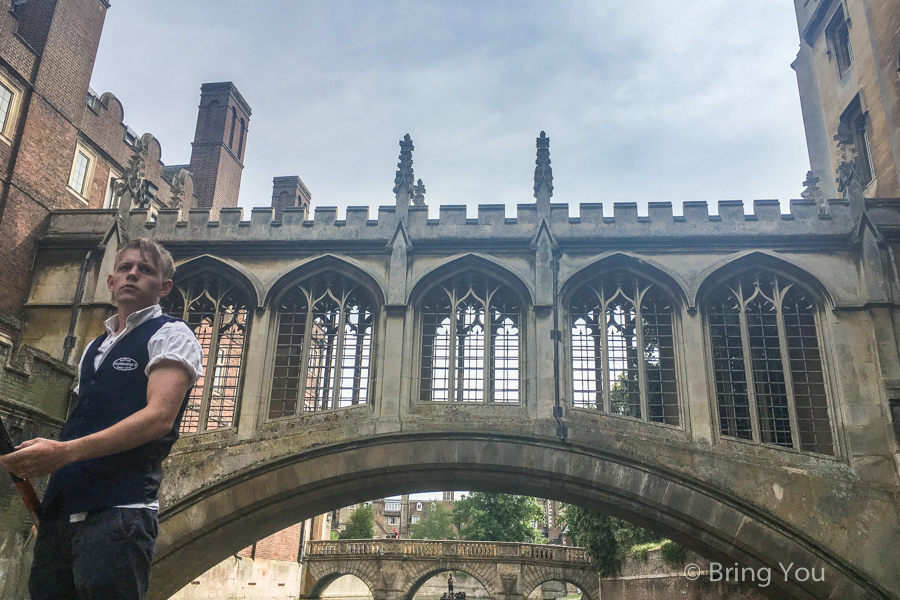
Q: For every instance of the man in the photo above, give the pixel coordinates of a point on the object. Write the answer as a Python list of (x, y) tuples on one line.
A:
[(98, 517)]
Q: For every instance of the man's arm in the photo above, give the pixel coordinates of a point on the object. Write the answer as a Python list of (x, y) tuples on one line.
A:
[(167, 385)]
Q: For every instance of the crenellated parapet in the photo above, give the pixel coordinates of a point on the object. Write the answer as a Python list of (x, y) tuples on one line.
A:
[(593, 222)]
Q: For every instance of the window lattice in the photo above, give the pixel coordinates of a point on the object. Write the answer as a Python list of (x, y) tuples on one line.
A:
[(623, 349), (470, 341), (323, 350), (770, 385), (218, 314)]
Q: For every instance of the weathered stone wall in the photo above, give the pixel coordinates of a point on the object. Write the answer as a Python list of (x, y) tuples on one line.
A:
[(653, 579), (245, 579)]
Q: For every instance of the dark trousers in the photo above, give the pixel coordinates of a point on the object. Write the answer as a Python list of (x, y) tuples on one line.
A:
[(105, 557)]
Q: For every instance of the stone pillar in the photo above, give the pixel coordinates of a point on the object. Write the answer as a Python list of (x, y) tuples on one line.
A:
[(696, 391), (254, 400)]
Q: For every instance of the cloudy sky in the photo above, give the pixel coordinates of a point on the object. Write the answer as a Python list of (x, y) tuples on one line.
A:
[(644, 100)]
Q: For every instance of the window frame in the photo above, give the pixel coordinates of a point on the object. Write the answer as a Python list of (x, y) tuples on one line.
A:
[(524, 313), (786, 282), (188, 282), (838, 43), (110, 201), (8, 127), (858, 121), (678, 340), (274, 329), (85, 192)]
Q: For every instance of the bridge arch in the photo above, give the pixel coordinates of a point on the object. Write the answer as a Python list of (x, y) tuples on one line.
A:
[(198, 527), (536, 576), (321, 577), (417, 578)]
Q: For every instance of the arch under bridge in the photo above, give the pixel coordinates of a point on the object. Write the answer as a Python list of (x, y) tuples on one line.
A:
[(727, 380), (395, 569)]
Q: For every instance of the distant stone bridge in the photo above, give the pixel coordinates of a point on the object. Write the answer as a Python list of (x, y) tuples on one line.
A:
[(730, 380), (395, 569)]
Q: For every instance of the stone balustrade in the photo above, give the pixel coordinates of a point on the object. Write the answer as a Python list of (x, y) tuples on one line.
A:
[(450, 549)]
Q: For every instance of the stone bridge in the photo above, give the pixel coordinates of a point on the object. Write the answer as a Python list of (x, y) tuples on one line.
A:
[(725, 379), (396, 569)]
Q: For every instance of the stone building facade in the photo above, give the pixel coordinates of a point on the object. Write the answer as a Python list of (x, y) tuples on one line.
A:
[(848, 72)]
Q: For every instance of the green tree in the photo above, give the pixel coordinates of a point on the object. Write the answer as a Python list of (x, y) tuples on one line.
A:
[(361, 524), (436, 524), (606, 539), (499, 517)]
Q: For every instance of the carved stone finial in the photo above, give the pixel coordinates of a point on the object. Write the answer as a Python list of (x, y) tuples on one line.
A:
[(403, 181), (848, 180), (812, 192), (131, 183), (543, 174), (418, 196)]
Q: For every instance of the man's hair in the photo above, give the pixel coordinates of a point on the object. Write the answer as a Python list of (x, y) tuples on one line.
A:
[(154, 250)]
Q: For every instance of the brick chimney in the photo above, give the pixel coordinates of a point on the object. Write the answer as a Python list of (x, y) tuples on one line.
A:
[(219, 145)]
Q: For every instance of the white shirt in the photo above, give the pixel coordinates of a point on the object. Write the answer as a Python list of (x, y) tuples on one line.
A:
[(174, 341)]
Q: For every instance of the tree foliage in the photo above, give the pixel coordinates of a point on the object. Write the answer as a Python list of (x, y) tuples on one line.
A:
[(498, 517), (436, 524), (606, 539), (361, 524)]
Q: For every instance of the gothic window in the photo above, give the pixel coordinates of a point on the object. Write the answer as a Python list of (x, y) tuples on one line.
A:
[(856, 119), (218, 313), (324, 345), (770, 384), (470, 341), (838, 40), (623, 348)]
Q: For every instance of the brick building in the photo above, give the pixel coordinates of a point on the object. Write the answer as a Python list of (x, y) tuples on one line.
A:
[(64, 146)]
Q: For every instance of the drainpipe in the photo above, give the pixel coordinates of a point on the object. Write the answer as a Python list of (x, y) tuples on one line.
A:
[(561, 431), (894, 267), (69, 343)]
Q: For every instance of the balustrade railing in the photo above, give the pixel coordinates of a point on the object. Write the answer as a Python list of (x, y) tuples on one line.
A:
[(447, 548)]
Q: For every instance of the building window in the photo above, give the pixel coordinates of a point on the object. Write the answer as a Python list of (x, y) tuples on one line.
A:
[(415, 519), (9, 108), (393, 520), (233, 123), (770, 383), (855, 119), (242, 133), (218, 314), (470, 341), (392, 507), (838, 40), (111, 200), (82, 172), (6, 98), (323, 350), (623, 348), (418, 507)]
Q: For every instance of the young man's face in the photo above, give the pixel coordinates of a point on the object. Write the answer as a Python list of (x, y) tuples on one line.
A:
[(136, 282)]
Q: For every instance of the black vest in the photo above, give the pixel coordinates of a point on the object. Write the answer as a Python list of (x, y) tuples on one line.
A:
[(106, 396)]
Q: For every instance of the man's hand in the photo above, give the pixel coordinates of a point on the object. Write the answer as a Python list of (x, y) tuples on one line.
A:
[(37, 457)]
